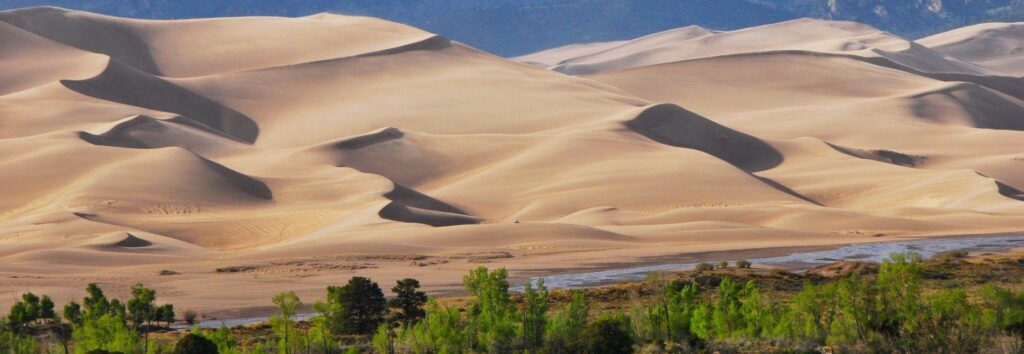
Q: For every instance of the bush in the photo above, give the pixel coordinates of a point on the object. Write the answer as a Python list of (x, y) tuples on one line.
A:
[(703, 267), (190, 316), (195, 344), (608, 335), (743, 264), (723, 265)]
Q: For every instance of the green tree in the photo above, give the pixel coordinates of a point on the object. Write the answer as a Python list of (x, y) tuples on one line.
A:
[(565, 327), (320, 335), (95, 304), (108, 332), (815, 309), (282, 322), (165, 313), (442, 330), (13, 343), (491, 325), (408, 300), (73, 313), (384, 340), (534, 315), (46, 309)]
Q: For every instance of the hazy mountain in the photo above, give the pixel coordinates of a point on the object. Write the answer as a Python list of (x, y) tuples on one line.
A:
[(513, 27)]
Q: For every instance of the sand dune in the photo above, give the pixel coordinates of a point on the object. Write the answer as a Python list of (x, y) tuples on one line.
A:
[(995, 46), (292, 153), (798, 35)]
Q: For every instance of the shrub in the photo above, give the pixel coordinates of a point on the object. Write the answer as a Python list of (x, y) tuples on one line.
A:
[(189, 316), (607, 335), (195, 344), (723, 265), (703, 267), (743, 264)]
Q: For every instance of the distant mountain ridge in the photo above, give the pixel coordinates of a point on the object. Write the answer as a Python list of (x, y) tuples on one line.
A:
[(516, 27)]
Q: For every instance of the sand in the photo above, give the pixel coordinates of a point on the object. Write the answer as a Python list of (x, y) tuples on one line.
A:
[(271, 154)]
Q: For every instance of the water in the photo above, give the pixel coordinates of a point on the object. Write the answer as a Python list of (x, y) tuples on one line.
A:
[(235, 322), (873, 252)]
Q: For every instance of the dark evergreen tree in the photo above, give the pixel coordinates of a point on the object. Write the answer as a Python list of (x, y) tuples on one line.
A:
[(408, 300), (357, 307)]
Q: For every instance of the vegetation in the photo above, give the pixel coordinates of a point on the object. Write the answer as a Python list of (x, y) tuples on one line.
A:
[(195, 344), (905, 305)]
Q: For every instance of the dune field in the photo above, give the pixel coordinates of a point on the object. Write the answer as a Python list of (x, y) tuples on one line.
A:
[(220, 161)]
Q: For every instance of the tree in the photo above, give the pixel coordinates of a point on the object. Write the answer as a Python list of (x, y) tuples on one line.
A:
[(288, 305), (608, 335), (108, 332), (408, 300), (142, 310), (95, 304), (534, 315), (73, 313), (565, 327), (46, 308), (195, 344), (320, 336), (165, 313), (140, 306), (357, 307), (491, 324), (384, 340)]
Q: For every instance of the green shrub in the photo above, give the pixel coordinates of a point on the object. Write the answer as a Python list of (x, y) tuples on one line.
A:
[(723, 265), (195, 344), (703, 267), (743, 264), (608, 335)]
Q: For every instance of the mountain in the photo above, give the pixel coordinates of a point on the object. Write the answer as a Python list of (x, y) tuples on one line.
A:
[(517, 27)]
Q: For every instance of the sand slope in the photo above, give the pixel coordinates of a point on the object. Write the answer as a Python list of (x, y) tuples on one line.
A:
[(821, 36), (996, 46), (292, 153)]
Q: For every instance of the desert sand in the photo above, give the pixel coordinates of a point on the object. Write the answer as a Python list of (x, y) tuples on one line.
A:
[(246, 156)]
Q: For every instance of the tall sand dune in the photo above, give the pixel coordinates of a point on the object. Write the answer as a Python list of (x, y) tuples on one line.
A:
[(996, 46), (268, 153)]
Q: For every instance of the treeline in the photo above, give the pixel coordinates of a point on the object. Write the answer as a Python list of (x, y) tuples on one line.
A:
[(889, 312), (97, 325)]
